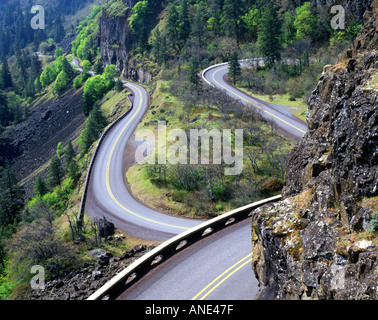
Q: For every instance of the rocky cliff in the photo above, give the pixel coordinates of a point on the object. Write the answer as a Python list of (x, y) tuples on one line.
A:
[(117, 41), (316, 243)]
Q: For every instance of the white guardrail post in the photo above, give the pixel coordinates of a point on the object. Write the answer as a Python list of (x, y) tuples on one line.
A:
[(112, 289)]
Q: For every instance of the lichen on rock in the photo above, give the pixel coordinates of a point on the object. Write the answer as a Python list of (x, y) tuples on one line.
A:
[(316, 243)]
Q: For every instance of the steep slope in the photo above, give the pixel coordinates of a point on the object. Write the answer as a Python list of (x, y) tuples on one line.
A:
[(117, 39), (315, 244)]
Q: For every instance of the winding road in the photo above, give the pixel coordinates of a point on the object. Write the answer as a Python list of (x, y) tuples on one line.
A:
[(217, 268)]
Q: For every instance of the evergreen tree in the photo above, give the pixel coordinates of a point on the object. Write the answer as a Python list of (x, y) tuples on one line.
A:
[(184, 23), (30, 88), (56, 172), (172, 28), (232, 10), (198, 26), (234, 67), (68, 69), (269, 37), (69, 155), (95, 123), (163, 51), (40, 187), (193, 71), (5, 76), (156, 44), (11, 197), (4, 110)]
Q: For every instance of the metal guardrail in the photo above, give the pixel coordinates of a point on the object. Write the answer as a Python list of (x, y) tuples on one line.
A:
[(121, 282), (255, 61)]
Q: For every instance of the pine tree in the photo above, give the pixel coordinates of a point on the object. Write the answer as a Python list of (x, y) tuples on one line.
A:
[(172, 28), (5, 76), (184, 23), (270, 34), (40, 187), (69, 155), (193, 71), (232, 10), (234, 67), (56, 172), (11, 197), (95, 123)]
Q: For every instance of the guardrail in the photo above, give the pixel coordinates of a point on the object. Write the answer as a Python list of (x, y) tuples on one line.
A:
[(103, 136), (256, 61), (112, 289)]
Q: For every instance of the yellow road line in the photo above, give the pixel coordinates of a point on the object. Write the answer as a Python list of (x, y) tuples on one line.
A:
[(271, 114), (224, 279), (108, 169)]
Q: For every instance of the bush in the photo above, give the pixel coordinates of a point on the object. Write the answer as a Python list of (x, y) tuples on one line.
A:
[(179, 195), (374, 223)]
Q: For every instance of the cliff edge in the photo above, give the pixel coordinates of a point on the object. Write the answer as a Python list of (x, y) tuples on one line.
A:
[(319, 242)]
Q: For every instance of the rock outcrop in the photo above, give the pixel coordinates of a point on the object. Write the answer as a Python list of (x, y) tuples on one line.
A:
[(117, 42), (316, 243), (82, 282)]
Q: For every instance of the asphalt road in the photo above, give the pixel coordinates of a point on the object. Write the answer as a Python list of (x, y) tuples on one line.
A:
[(290, 125), (216, 268), (108, 194)]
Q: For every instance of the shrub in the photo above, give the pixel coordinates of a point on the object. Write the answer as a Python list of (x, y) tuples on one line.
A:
[(374, 223)]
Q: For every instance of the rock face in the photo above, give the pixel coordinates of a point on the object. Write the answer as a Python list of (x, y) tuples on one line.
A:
[(315, 244), (82, 282), (117, 41)]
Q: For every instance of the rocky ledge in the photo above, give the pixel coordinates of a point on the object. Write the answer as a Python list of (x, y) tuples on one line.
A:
[(318, 242), (82, 282)]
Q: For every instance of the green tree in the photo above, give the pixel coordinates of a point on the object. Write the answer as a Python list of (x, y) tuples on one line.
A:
[(40, 187), (61, 83), (184, 26), (232, 10), (69, 154), (234, 67), (56, 172), (269, 37), (95, 123), (305, 22), (289, 30), (172, 28), (138, 22), (30, 88), (109, 75), (59, 149), (58, 52), (251, 22), (67, 68), (11, 197), (193, 71), (94, 89), (5, 76)]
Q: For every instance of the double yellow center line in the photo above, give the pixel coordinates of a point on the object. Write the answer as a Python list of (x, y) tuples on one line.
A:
[(255, 105), (109, 164), (222, 278)]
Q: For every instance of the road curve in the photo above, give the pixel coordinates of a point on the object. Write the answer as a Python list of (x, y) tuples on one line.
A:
[(216, 268), (291, 126), (107, 193)]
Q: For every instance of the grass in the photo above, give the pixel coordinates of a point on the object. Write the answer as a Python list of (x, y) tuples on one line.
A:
[(114, 104), (298, 107), (153, 195)]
